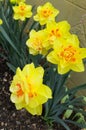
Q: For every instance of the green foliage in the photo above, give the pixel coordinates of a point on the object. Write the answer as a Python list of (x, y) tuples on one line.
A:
[(13, 35), (64, 107)]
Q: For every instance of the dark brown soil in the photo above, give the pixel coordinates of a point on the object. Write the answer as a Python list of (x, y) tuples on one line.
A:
[(10, 118)]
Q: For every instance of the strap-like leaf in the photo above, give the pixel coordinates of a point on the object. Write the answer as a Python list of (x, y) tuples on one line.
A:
[(5, 35), (60, 121)]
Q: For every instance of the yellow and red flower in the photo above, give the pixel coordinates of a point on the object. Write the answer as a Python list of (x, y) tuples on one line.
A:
[(46, 13), (38, 42), (68, 55), (57, 31), (22, 11), (28, 90)]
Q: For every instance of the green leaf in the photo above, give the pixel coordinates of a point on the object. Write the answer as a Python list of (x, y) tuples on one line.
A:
[(12, 67), (60, 121), (8, 39), (80, 125)]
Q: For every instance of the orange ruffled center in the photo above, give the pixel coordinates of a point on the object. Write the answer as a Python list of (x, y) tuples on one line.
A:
[(19, 92), (22, 9), (68, 54), (46, 13), (37, 43), (55, 32), (31, 93)]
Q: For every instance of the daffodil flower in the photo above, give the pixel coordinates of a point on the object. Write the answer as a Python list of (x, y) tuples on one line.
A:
[(57, 31), (28, 90), (68, 55), (22, 11), (46, 13), (38, 42)]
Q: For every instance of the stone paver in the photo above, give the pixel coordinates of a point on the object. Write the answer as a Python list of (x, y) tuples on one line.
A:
[(79, 3)]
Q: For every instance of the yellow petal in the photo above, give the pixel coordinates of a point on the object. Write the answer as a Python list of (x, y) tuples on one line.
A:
[(26, 98), (15, 99), (32, 51), (39, 99), (28, 69), (78, 67), (13, 88), (34, 102), (20, 105), (52, 57), (73, 40), (42, 95), (64, 26), (35, 111), (63, 70), (36, 77), (83, 52), (45, 91)]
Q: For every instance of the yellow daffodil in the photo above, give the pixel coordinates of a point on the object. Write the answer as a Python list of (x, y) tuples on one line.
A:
[(1, 22), (68, 55), (38, 42), (46, 13), (28, 90), (16, 1), (57, 31), (22, 11)]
